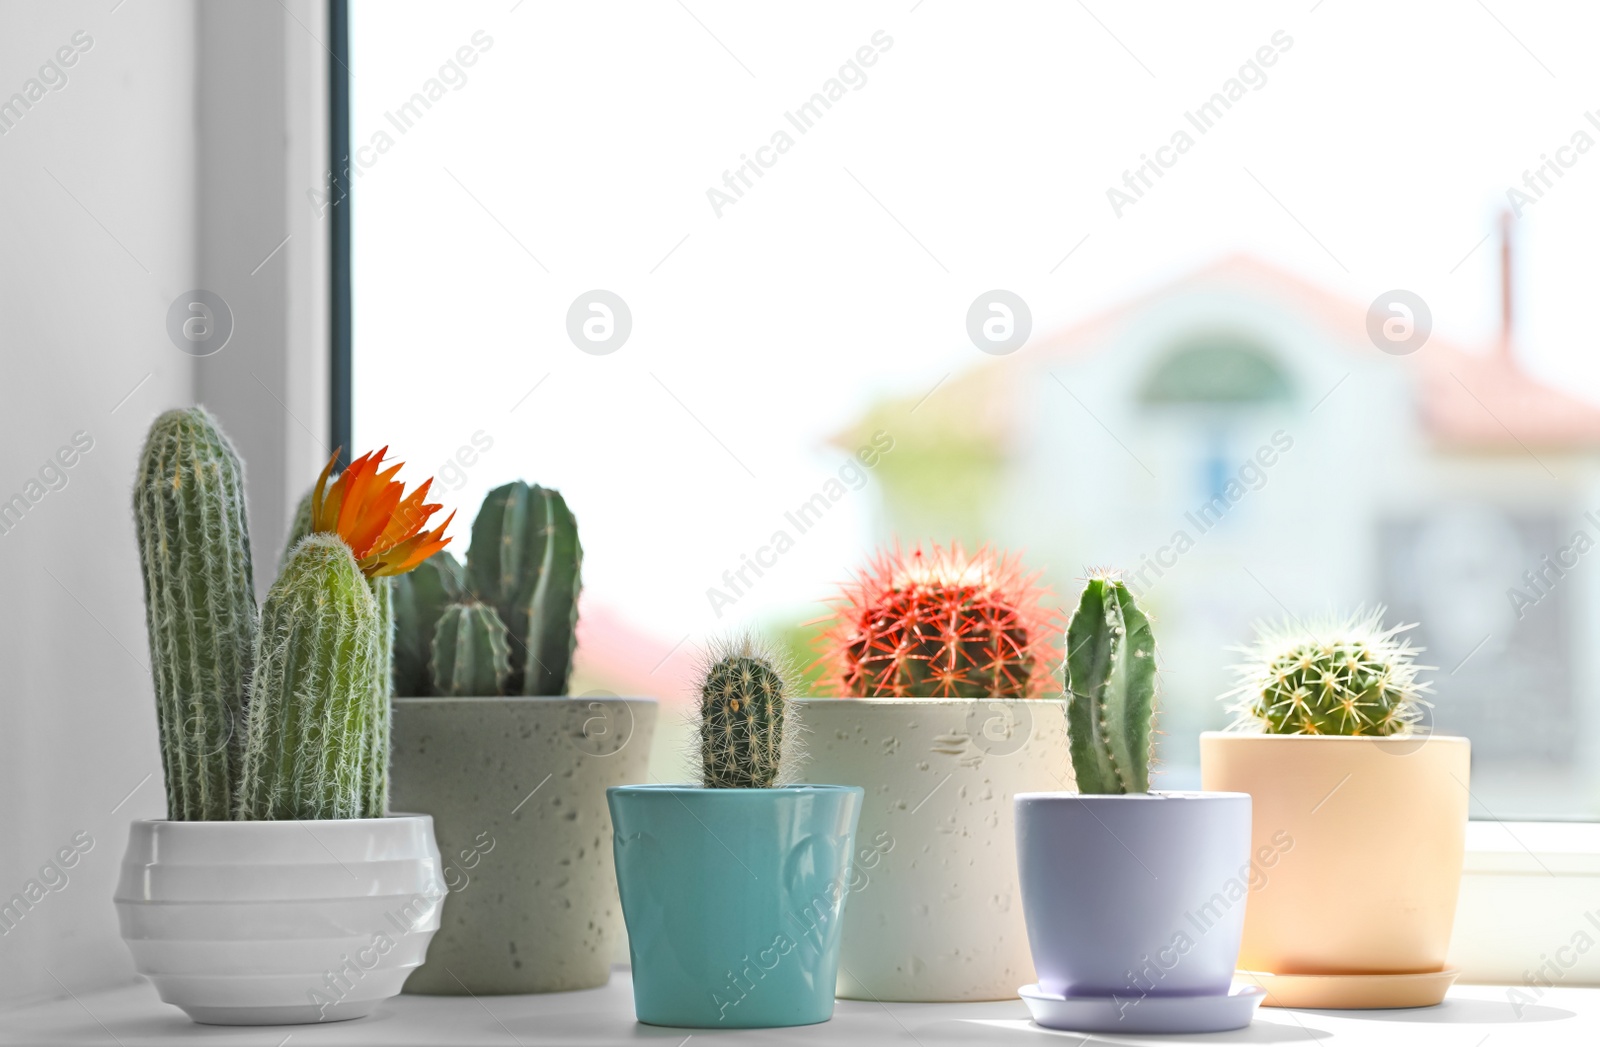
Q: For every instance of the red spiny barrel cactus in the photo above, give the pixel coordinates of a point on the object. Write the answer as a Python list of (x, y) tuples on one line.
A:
[(938, 623)]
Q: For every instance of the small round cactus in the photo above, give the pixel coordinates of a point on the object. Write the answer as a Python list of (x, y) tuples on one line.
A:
[(941, 624), (1350, 676), (744, 733)]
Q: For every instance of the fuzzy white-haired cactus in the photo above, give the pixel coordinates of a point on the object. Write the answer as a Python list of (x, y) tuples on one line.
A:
[(317, 715), (200, 605), (1349, 676), (744, 729)]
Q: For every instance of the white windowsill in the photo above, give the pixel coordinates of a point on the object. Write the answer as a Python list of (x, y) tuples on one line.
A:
[(131, 1015)]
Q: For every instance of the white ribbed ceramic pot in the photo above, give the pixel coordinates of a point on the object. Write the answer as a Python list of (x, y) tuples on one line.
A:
[(279, 922), (934, 912)]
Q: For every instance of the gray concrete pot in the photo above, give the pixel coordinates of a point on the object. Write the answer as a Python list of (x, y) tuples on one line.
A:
[(517, 791)]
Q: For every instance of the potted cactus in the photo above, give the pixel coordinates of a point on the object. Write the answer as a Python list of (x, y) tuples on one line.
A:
[(734, 888), (1135, 900), (277, 890), (1328, 740), (513, 773), (941, 660)]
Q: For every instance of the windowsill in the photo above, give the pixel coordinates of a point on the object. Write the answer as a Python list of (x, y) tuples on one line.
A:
[(1542, 848), (132, 1015)]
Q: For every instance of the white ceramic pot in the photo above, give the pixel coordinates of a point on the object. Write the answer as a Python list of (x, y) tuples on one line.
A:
[(279, 922), (935, 909), (517, 789)]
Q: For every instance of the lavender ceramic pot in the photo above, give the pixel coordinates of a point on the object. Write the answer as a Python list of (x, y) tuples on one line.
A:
[(1135, 896)]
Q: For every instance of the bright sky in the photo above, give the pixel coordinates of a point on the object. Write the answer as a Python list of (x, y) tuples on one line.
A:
[(975, 152)]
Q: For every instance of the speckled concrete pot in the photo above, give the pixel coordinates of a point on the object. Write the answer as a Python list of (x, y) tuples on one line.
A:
[(935, 913), (517, 790)]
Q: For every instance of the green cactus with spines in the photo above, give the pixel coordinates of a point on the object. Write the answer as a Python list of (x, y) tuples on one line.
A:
[(525, 561), (200, 608), (313, 700), (743, 724), (1349, 676), (471, 652), (1111, 688), (420, 598)]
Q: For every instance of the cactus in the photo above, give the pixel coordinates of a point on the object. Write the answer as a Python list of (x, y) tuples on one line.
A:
[(525, 561), (312, 695), (419, 600), (194, 547), (941, 624), (743, 716), (1111, 688), (471, 652), (1349, 676)]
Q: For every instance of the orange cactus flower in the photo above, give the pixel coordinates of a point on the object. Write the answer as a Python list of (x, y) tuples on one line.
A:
[(369, 509)]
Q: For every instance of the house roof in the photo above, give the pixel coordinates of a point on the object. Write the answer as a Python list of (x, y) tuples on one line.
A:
[(1468, 401)]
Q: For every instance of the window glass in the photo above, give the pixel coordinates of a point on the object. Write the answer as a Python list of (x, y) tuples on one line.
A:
[(1103, 279)]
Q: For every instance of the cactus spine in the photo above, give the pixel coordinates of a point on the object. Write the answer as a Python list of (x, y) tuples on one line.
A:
[(525, 560), (1351, 676), (743, 716), (1111, 689), (194, 547), (471, 652), (420, 599), (312, 698)]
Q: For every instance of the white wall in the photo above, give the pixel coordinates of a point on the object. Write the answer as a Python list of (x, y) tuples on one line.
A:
[(115, 204)]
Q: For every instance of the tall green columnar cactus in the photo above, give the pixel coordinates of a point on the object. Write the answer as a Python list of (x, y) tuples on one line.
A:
[(743, 713), (525, 560), (312, 695), (420, 598), (471, 652), (1111, 689), (200, 606)]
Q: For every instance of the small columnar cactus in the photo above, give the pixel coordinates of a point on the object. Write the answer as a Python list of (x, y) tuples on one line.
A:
[(420, 599), (313, 701), (1349, 676), (743, 716), (471, 652), (1111, 689), (200, 606), (526, 562), (941, 624)]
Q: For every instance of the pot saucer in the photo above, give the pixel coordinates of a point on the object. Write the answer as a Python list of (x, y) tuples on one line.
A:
[(1134, 1014), (1352, 991)]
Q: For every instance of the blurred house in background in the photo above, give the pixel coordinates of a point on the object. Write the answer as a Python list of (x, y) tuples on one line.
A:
[(1241, 448)]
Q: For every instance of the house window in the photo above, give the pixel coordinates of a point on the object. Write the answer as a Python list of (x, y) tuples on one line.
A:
[(1219, 369)]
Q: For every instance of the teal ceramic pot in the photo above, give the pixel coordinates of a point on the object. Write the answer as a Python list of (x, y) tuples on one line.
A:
[(733, 899)]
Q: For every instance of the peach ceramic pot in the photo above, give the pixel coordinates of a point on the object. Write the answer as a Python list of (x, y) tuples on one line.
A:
[(1358, 843)]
